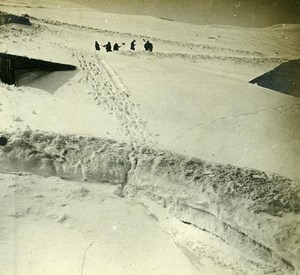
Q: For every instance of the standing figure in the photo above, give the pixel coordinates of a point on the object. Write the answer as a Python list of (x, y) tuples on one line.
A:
[(97, 46), (132, 45), (148, 46), (117, 47), (107, 47)]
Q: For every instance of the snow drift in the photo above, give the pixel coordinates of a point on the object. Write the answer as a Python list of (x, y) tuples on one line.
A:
[(230, 202)]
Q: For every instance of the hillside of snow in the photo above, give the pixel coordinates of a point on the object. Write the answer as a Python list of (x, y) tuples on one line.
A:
[(180, 127)]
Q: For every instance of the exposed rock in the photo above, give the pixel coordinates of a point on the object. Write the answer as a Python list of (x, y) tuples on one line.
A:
[(6, 18), (285, 78)]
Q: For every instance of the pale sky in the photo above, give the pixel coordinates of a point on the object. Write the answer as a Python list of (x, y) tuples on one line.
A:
[(248, 13)]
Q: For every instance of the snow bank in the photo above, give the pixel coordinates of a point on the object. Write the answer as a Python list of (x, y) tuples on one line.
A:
[(249, 209), (253, 210), (69, 157)]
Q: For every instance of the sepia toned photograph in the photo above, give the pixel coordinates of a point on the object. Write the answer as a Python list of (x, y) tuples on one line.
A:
[(144, 137)]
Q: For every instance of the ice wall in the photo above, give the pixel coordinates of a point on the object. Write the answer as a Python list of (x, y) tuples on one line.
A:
[(252, 210), (249, 209), (68, 157)]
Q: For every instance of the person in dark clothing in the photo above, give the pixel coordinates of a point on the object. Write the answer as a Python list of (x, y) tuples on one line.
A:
[(148, 46), (97, 46), (117, 47), (3, 140), (132, 45), (107, 47)]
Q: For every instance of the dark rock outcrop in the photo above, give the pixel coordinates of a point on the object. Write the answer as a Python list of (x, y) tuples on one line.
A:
[(6, 18), (11, 64), (284, 79)]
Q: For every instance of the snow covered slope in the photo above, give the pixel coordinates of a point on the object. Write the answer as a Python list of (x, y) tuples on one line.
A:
[(190, 96), (192, 92)]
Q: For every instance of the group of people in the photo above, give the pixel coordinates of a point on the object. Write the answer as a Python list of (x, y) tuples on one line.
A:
[(108, 47)]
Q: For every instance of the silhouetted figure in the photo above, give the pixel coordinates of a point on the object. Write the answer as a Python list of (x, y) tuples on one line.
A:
[(117, 47), (148, 46), (3, 140), (132, 45), (97, 46), (107, 47)]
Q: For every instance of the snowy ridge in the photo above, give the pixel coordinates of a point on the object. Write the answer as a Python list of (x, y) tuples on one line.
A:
[(197, 58), (220, 199), (237, 54)]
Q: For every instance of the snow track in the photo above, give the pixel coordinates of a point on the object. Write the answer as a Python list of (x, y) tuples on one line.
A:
[(112, 93), (199, 58), (109, 92), (286, 109)]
